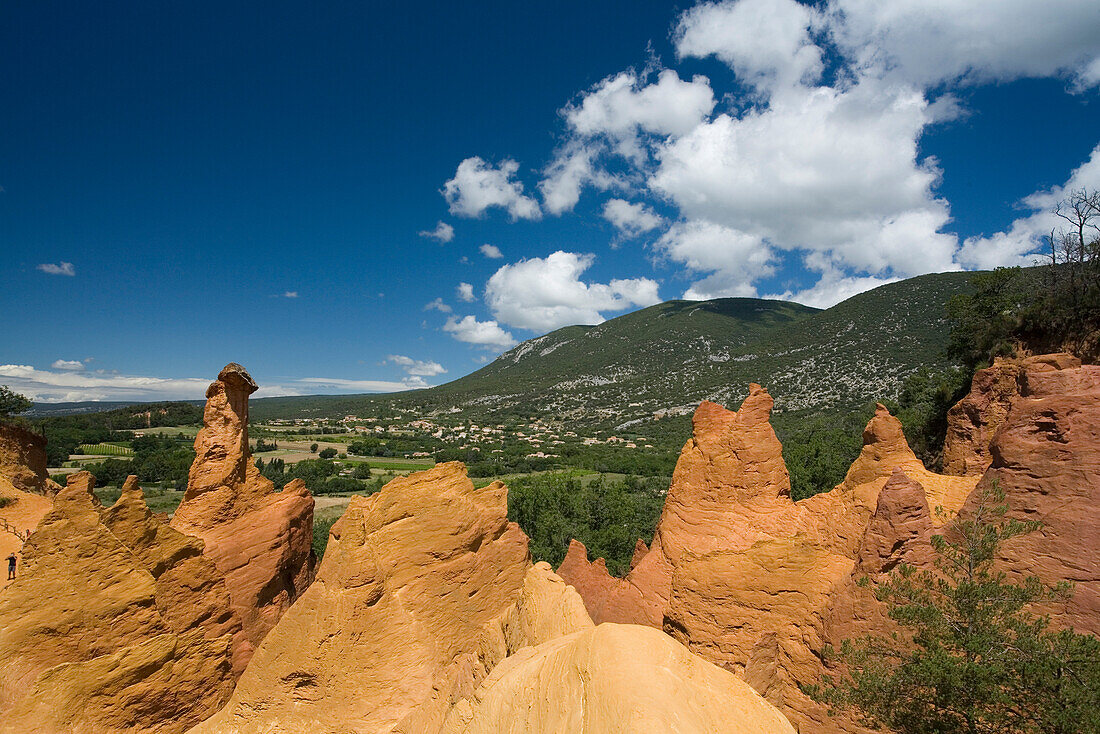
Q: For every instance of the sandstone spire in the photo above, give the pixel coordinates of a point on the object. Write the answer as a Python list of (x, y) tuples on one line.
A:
[(260, 539)]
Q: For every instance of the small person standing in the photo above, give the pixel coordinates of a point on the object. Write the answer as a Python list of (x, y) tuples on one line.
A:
[(11, 567)]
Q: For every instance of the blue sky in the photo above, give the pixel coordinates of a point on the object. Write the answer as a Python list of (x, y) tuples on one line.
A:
[(293, 186)]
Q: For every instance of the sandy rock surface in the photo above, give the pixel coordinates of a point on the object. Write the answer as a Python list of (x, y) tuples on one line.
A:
[(1046, 458), (621, 679), (747, 578), (409, 612), (117, 623)]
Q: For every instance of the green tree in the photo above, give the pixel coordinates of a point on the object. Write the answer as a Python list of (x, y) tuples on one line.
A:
[(329, 453), (313, 448), (12, 403), (926, 397), (969, 657)]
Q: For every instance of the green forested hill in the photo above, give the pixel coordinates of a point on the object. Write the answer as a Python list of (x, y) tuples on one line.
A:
[(656, 364)]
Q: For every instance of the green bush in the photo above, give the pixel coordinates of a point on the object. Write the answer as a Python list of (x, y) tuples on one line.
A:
[(321, 528), (607, 514)]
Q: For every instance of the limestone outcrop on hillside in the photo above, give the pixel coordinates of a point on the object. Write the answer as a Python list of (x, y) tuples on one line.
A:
[(261, 540), (116, 623)]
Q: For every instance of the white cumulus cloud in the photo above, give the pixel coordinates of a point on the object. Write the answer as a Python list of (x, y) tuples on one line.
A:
[(547, 293), (443, 232), (1022, 243), (733, 259), (421, 368), (925, 43), (465, 292), (491, 251), (68, 365), (437, 305), (766, 42), (622, 106), (478, 186), (632, 219), (826, 170), (573, 168), (487, 334)]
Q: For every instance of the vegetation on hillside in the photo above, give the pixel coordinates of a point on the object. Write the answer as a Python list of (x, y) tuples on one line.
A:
[(606, 513), (644, 372), (155, 459), (65, 433), (970, 657), (12, 403), (321, 476), (1052, 308)]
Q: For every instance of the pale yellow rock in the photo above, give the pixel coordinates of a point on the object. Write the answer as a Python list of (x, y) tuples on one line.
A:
[(614, 679), (547, 608)]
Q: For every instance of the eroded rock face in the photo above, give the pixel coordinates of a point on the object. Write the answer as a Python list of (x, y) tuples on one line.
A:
[(613, 678), (260, 539), (1046, 458), (731, 490), (744, 576), (414, 602), (23, 460), (117, 623)]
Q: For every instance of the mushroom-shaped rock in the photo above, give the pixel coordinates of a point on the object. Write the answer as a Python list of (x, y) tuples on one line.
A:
[(613, 678), (260, 540)]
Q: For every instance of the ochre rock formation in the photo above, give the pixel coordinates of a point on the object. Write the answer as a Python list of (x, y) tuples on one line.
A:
[(626, 679), (23, 460), (744, 576), (414, 602), (730, 490), (117, 623), (973, 422), (640, 550), (724, 602), (261, 540), (1046, 459)]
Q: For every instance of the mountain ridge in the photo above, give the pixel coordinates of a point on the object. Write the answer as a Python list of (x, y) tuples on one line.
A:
[(661, 361)]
